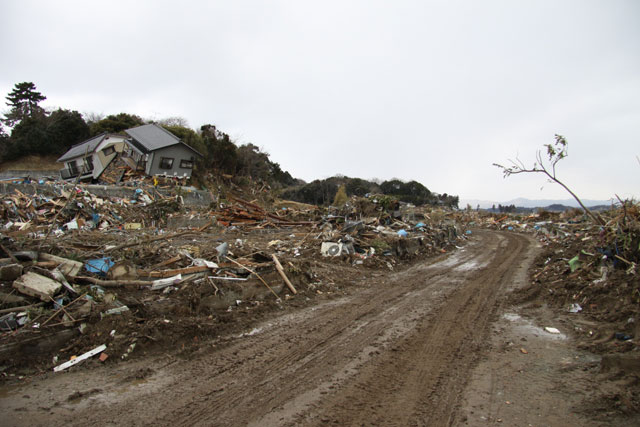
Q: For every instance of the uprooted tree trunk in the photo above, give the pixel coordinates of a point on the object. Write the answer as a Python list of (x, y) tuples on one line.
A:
[(555, 152)]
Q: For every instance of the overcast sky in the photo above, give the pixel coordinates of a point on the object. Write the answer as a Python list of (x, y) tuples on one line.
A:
[(434, 91)]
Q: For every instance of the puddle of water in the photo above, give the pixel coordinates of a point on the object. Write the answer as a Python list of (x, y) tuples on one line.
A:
[(527, 327), (512, 317), (252, 332), (139, 382), (469, 266)]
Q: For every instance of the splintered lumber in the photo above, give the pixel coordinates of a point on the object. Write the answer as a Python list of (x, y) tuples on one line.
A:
[(20, 308), (254, 273), (144, 242), (67, 266), (186, 270), (112, 283), (282, 274), (60, 309), (168, 261)]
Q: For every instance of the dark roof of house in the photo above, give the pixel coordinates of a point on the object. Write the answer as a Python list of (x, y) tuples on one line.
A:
[(84, 148), (151, 137)]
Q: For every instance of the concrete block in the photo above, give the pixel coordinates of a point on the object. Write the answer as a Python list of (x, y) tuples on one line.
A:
[(36, 285)]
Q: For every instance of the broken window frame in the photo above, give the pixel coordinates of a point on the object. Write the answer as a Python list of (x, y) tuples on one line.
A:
[(164, 161), (72, 167), (108, 150), (88, 164)]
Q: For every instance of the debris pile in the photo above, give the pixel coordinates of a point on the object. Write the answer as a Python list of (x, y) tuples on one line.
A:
[(79, 209), (586, 270), (81, 272)]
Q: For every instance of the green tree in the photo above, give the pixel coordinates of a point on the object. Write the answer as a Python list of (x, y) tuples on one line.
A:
[(29, 136), (188, 136), (117, 123), (4, 144), (43, 135), (64, 129), (253, 162), (23, 100), (411, 192), (220, 152), (341, 196)]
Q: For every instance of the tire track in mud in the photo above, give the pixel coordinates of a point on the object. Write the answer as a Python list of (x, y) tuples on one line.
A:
[(420, 382), (397, 356), (396, 353)]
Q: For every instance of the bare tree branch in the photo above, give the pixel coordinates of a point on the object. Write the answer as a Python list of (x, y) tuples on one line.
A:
[(555, 152)]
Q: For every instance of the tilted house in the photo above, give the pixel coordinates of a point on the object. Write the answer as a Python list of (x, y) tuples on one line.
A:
[(159, 152), (88, 159)]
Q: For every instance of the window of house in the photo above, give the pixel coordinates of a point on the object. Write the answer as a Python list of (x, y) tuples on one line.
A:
[(73, 168), (88, 161), (166, 163), (186, 164), (108, 150)]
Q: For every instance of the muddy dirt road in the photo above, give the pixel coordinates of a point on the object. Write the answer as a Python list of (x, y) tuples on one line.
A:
[(399, 350)]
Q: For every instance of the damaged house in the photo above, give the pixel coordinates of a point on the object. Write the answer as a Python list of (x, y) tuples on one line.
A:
[(147, 148), (87, 160), (159, 152)]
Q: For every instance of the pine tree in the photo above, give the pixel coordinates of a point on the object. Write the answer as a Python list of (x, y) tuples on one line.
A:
[(23, 100)]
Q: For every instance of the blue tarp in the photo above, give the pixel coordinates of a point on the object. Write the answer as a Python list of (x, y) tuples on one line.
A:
[(99, 266)]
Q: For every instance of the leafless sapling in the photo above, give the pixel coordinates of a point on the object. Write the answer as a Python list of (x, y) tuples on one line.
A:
[(555, 152)]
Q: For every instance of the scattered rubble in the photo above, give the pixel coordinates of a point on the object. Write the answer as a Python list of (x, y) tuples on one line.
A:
[(82, 271)]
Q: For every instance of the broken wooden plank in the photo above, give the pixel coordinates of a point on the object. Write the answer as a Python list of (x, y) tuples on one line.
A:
[(283, 274), (20, 308), (147, 241), (60, 309), (112, 283), (186, 270), (168, 261), (68, 267), (254, 273)]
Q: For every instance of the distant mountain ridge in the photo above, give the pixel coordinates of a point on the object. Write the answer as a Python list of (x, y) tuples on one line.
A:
[(528, 203)]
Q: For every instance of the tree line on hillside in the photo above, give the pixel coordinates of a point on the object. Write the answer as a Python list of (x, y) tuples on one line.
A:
[(36, 131), (323, 192)]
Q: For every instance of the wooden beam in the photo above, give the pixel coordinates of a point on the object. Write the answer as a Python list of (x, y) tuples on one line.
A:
[(282, 274)]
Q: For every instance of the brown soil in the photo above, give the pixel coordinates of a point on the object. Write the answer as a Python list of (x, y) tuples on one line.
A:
[(439, 343)]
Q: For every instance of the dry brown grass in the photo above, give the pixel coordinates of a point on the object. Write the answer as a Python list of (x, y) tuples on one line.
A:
[(33, 163)]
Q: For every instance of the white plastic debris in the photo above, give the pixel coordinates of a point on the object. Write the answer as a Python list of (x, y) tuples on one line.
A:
[(117, 310), (203, 262), (129, 351), (552, 330), (163, 283), (575, 308), (80, 358), (72, 225)]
